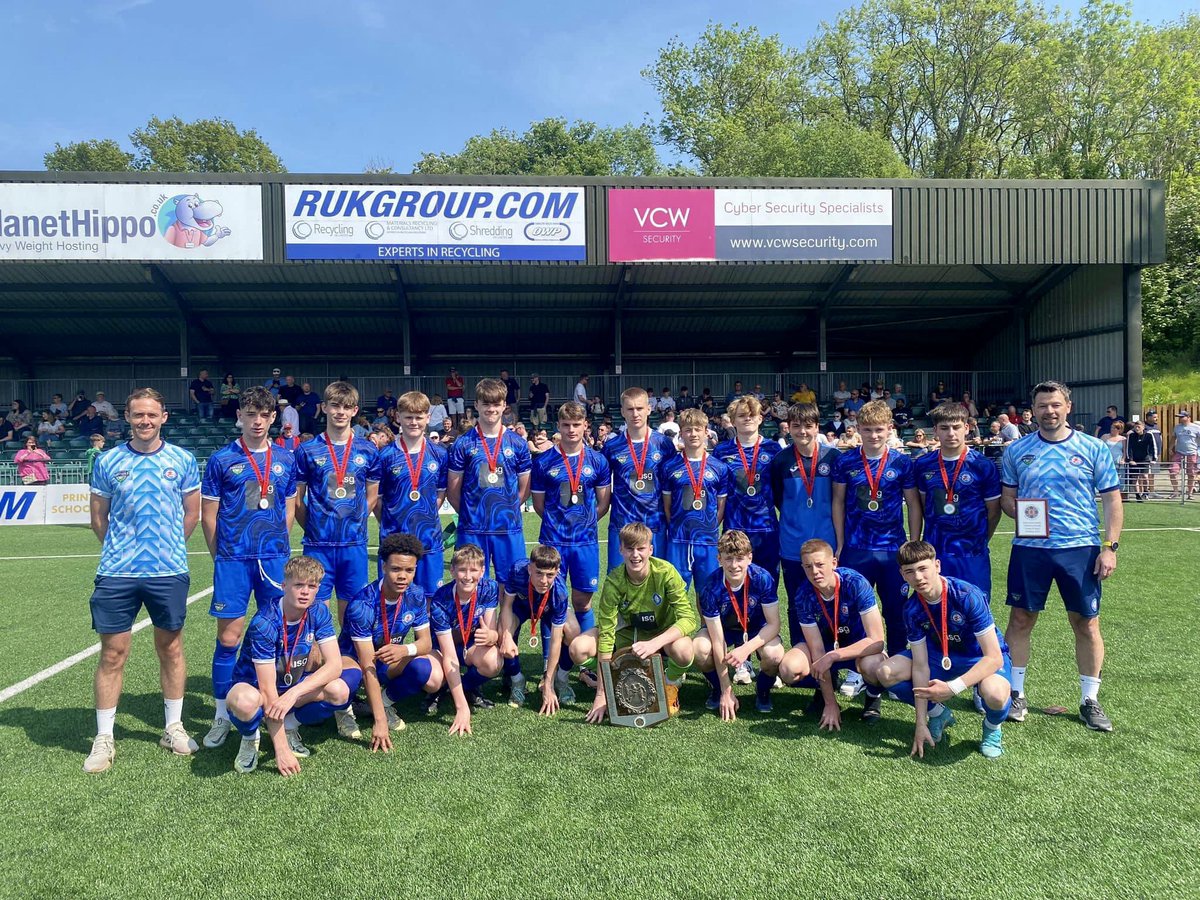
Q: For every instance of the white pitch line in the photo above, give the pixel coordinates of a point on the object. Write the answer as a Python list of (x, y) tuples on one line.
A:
[(22, 686)]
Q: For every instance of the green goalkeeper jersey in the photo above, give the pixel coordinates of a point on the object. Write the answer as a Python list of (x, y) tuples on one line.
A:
[(629, 612)]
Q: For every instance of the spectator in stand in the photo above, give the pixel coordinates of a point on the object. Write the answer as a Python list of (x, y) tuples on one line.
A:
[(50, 428), (836, 424), (580, 394), (288, 439), (757, 393), (1008, 429), (203, 392), (361, 427), (603, 433), (1186, 455), (386, 401), (91, 423), (290, 391), (850, 438), (939, 395), (686, 400), (509, 418), (894, 441), (803, 394), (888, 400), (1027, 425), (381, 437), (898, 393), (1139, 452), (6, 431), (382, 417), (669, 427), (512, 389), (454, 397), (437, 414), (878, 391), (968, 404), (273, 384), (993, 441), (919, 441), (651, 400), (231, 394), (309, 407), (1104, 426), (1115, 441), (103, 408), (902, 415), (114, 430), (288, 415), (973, 438), (31, 463), (596, 407), (737, 391), (779, 408), (79, 406), (855, 403), (448, 426), (93, 453), (58, 409), (539, 400), (539, 443), (666, 401), (841, 395), (707, 402), (20, 418)]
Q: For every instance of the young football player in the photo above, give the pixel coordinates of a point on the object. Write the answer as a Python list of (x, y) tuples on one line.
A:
[(571, 492), (464, 617), (488, 483), (644, 606), (839, 627), (535, 592), (414, 473), (271, 677), (750, 506), (951, 634), (694, 486), (372, 641), (248, 504), (337, 477), (739, 604)]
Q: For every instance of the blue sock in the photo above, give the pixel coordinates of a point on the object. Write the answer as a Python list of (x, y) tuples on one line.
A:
[(312, 713), (587, 619), (223, 661), (764, 682), (247, 728), (353, 678), (411, 681), (903, 692), (873, 691), (472, 680), (565, 663), (713, 680), (996, 717), (512, 667), (544, 628)]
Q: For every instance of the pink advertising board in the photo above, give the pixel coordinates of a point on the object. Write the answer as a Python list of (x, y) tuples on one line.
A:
[(654, 224)]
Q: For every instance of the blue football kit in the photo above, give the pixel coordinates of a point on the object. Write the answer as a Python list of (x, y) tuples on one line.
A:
[(489, 514), (954, 496), (420, 517), (750, 504), (636, 468)]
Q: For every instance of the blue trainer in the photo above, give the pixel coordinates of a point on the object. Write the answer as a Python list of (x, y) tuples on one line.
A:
[(990, 746)]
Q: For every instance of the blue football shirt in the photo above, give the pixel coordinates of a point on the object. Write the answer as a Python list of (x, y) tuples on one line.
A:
[(799, 522), (400, 513), (716, 604), (334, 521), (629, 502), (689, 525), (855, 598), (964, 531), (565, 523), (264, 643), (364, 619), (444, 608), (517, 584), (744, 512), (486, 508), (243, 530), (968, 617), (145, 513), (867, 529)]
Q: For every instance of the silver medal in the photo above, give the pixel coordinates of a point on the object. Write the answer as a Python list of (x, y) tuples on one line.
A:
[(640, 484), (946, 664), (264, 503), (414, 495), (810, 502), (493, 478), (287, 678), (697, 505), (751, 491), (873, 505), (837, 646), (949, 509), (340, 493), (574, 499), (533, 640)]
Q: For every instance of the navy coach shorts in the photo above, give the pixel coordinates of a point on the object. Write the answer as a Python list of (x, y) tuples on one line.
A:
[(116, 602)]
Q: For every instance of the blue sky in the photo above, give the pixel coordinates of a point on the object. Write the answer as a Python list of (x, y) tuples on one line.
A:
[(334, 85)]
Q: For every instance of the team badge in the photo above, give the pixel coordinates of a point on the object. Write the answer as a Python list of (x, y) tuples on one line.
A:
[(508, 452), (966, 478), (890, 474), (1028, 460), (554, 472), (408, 617), (432, 467), (321, 460), (594, 582), (658, 600), (845, 609), (588, 470), (170, 474), (395, 470), (359, 460), (622, 459), (277, 469), (1076, 460), (238, 469), (957, 618), (121, 476), (656, 456)]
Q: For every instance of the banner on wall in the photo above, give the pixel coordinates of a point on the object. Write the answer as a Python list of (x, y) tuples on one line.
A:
[(131, 221), (434, 222), (749, 225), (51, 504)]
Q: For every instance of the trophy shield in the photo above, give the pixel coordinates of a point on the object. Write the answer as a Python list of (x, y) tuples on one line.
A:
[(635, 689)]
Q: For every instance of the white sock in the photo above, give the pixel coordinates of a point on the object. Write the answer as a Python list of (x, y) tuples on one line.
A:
[(1018, 682), (222, 710), (935, 710), (290, 722), (1089, 688), (104, 721), (172, 711)]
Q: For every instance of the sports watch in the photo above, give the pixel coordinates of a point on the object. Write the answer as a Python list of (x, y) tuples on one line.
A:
[(1110, 545)]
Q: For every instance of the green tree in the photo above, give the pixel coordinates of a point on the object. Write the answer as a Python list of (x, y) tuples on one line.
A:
[(1171, 291), (829, 149), (103, 155), (551, 147)]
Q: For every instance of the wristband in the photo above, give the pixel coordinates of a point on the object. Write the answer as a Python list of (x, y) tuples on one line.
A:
[(410, 649), (956, 685)]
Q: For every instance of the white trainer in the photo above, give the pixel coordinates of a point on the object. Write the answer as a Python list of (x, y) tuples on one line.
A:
[(217, 734), (247, 755), (853, 685), (176, 739), (394, 722), (101, 757), (347, 725), (743, 674), (295, 744)]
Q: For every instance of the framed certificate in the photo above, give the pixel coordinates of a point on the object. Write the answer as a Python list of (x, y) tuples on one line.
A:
[(1033, 518)]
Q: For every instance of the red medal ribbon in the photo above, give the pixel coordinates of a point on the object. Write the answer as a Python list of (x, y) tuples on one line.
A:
[(742, 615), (387, 632), (837, 593), (287, 657), (750, 468), (573, 478), (470, 620), (339, 466), (697, 485), (414, 474), (872, 480), (809, 478), (264, 477), (535, 617), (492, 457), (639, 465), (945, 636), (951, 482)]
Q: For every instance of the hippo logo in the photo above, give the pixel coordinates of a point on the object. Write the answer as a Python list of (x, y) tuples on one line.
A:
[(187, 221)]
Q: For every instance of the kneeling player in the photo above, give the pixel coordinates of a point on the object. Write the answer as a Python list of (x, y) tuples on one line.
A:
[(463, 613), (271, 677), (738, 600), (534, 591), (643, 606), (378, 619), (967, 648), (834, 608)]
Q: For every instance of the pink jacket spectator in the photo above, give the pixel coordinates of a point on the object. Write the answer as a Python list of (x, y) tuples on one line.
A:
[(33, 463)]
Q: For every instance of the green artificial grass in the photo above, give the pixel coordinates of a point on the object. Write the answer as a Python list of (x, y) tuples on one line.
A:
[(532, 807)]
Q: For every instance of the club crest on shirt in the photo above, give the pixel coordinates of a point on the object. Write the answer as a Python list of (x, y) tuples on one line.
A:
[(360, 460), (1076, 460), (822, 469), (408, 617), (432, 467), (508, 452), (277, 469), (238, 468), (395, 470), (658, 599), (170, 474), (890, 474), (122, 475), (588, 470), (554, 472), (957, 618), (1028, 460), (321, 460), (966, 478), (845, 609), (624, 459), (656, 456)]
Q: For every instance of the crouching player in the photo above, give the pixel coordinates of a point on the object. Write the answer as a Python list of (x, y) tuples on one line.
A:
[(535, 592), (842, 629), (271, 677), (949, 622), (738, 600), (378, 619), (463, 613), (643, 606)]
